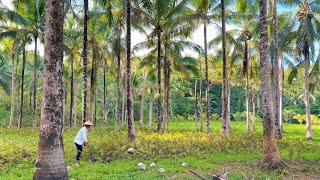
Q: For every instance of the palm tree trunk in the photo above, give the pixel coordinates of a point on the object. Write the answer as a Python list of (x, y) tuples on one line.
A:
[(271, 157), (195, 105), (118, 112), (142, 100), (93, 80), (22, 86), (105, 95), (309, 134), (206, 74), (246, 74), (131, 128), (35, 80), (200, 103), (13, 86), (276, 73), (65, 95), (166, 91), (71, 94), (248, 129), (74, 109), (150, 110), (160, 117), (85, 61), (50, 162), (123, 116), (225, 110), (253, 112)]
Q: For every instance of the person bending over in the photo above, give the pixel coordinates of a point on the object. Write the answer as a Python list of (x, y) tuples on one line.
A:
[(81, 139)]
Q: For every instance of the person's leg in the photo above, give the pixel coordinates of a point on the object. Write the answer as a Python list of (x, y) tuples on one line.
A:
[(79, 151)]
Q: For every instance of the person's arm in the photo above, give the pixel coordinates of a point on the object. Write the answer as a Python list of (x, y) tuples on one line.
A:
[(84, 134)]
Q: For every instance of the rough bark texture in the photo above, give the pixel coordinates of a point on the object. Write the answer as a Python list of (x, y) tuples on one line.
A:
[(85, 61), (131, 128), (276, 74), (50, 162), (24, 57), (206, 76), (159, 80), (225, 129), (271, 157)]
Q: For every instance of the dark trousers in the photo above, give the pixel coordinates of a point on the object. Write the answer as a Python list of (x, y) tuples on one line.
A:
[(79, 151)]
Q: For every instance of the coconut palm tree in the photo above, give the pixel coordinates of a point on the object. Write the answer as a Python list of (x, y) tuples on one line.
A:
[(307, 35), (157, 15), (85, 60), (28, 19), (50, 162), (271, 157), (206, 11), (129, 97)]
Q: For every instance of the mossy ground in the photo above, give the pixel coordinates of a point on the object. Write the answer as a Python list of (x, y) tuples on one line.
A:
[(106, 157)]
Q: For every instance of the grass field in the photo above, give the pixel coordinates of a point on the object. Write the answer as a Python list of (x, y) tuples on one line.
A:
[(106, 157)]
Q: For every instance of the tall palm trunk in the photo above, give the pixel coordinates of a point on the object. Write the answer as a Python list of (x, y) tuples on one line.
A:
[(246, 74), (105, 95), (142, 100), (13, 86), (253, 111), (131, 128), (93, 80), (50, 162), (22, 86), (74, 110), (35, 80), (200, 101), (150, 110), (248, 124), (159, 80), (123, 116), (206, 74), (85, 61), (271, 157), (71, 94), (118, 52), (166, 82), (195, 104), (276, 73), (309, 134), (225, 128)]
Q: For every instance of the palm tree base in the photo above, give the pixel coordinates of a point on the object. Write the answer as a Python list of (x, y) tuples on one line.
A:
[(270, 165)]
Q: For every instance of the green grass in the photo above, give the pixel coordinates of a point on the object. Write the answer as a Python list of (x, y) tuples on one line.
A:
[(106, 157)]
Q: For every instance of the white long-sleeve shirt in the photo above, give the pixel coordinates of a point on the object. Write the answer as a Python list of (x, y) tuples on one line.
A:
[(81, 137)]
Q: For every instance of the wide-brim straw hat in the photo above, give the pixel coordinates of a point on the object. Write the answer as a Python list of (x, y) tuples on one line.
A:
[(88, 123)]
